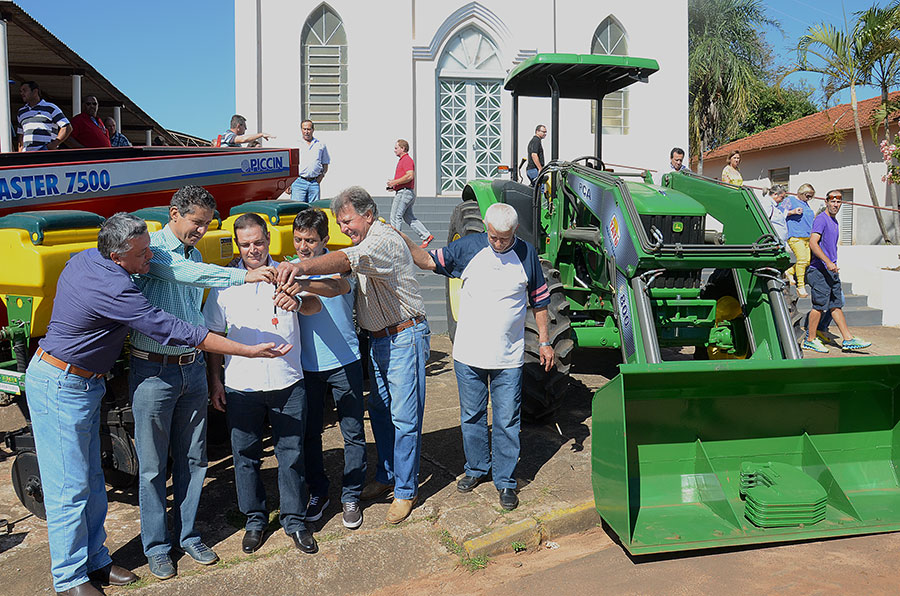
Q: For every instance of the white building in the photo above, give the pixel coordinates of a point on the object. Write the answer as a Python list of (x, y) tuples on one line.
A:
[(368, 73), (805, 151)]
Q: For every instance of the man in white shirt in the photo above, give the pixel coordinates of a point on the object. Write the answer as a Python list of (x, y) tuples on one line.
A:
[(314, 160), (502, 278), (251, 391)]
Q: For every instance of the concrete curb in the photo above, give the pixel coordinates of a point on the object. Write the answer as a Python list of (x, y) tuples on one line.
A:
[(533, 531)]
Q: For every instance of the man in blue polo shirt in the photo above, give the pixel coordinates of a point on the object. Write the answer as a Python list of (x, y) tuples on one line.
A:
[(96, 304), (331, 364), (502, 277), (823, 280), (314, 160)]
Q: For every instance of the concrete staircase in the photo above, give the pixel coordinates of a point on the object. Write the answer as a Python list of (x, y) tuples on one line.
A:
[(435, 213), (856, 309)]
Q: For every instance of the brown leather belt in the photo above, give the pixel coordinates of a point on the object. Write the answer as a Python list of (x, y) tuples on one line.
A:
[(75, 370), (395, 329), (179, 359)]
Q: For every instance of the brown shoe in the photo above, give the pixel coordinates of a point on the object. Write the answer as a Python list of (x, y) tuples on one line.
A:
[(374, 490), (400, 510), (112, 575), (85, 589)]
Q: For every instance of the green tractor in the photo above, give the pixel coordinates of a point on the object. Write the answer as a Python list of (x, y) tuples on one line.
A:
[(744, 443)]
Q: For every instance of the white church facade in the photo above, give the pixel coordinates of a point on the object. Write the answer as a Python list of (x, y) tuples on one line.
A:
[(368, 73)]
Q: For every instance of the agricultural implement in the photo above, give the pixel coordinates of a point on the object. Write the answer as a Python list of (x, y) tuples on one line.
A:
[(38, 234), (714, 432)]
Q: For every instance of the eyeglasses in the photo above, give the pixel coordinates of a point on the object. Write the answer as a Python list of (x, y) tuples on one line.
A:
[(809, 195)]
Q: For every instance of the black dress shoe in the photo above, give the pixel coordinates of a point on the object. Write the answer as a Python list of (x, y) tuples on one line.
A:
[(508, 498), (253, 539), (467, 483), (85, 589), (303, 539), (112, 575)]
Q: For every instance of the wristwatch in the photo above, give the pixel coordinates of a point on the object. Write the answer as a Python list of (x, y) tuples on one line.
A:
[(544, 343)]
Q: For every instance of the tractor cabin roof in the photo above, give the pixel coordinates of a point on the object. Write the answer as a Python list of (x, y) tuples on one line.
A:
[(579, 76)]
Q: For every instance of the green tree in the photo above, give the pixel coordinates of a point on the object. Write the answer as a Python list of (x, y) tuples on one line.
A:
[(879, 28), (726, 60), (837, 56), (775, 106)]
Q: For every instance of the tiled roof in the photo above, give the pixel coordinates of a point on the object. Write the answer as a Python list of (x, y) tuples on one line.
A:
[(814, 126)]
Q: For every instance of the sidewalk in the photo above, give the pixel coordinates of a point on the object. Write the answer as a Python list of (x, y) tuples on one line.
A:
[(445, 528)]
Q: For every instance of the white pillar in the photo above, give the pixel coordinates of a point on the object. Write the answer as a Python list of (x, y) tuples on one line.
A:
[(76, 94), (117, 116), (148, 137), (5, 141)]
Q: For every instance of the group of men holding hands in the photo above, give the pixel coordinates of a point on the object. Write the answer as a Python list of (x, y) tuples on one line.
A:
[(285, 335)]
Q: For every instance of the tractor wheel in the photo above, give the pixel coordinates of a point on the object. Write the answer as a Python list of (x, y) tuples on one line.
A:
[(543, 392), (465, 220)]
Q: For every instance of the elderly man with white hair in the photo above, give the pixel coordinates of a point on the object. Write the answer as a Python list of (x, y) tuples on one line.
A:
[(502, 277)]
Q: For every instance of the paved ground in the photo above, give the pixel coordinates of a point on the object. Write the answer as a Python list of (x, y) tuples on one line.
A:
[(554, 476)]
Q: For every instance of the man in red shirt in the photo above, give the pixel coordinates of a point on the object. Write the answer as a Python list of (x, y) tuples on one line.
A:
[(87, 128), (403, 183)]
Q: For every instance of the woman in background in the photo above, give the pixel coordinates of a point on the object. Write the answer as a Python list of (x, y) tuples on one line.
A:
[(799, 217), (730, 172)]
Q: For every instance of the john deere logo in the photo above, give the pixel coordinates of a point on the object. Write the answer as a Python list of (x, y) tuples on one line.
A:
[(677, 226)]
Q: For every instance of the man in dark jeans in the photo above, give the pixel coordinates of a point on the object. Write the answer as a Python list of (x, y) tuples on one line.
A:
[(535, 153), (331, 363), (255, 389)]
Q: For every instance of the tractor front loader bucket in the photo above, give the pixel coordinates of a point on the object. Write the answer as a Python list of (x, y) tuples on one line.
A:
[(694, 455)]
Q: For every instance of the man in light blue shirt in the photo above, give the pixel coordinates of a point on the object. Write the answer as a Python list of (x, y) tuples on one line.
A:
[(331, 362), (168, 383), (314, 160)]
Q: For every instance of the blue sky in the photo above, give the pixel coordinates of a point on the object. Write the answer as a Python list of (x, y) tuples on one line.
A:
[(175, 59)]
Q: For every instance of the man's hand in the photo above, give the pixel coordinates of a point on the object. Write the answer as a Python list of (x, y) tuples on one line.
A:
[(831, 266), (286, 273), (268, 350), (548, 357), (266, 274), (217, 396), (286, 301)]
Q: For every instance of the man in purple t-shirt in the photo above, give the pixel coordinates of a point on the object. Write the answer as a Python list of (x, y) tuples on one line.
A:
[(823, 280)]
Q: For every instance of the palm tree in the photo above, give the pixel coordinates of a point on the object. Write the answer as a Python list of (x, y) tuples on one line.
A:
[(839, 58), (726, 59), (879, 28)]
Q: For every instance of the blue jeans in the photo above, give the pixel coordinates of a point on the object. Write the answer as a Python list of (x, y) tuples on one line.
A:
[(396, 405), (304, 191), (169, 405), (65, 419), (402, 210), (532, 174), (506, 400), (246, 412), (346, 385)]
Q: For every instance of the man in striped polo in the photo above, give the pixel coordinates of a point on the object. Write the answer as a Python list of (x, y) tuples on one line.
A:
[(42, 125)]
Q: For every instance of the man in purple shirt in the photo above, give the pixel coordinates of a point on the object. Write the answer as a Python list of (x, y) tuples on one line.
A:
[(823, 280), (96, 304)]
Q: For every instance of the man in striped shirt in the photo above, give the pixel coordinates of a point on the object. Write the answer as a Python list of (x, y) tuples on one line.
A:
[(42, 125), (390, 307), (168, 383)]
